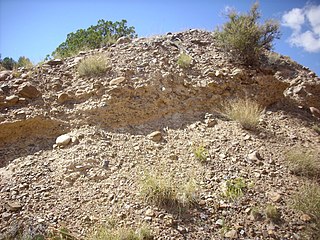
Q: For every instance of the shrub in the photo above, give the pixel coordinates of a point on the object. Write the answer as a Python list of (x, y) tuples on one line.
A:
[(93, 66), (184, 60), (303, 163), (200, 153), (233, 188), (307, 201), (245, 38), (245, 111), (272, 213)]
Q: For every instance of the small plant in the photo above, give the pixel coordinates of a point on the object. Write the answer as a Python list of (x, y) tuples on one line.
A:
[(93, 66), (307, 201), (303, 163), (188, 193), (122, 234), (233, 188), (164, 191), (184, 60), (272, 213), (159, 190), (247, 112), (200, 153)]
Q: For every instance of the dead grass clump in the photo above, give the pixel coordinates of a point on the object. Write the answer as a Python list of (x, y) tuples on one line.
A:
[(122, 234), (164, 191), (247, 112), (303, 163), (94, 65), (307, 200)]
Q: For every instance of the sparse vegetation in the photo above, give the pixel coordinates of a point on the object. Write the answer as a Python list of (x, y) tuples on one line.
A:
[(93, 66), (303, 163), (316, 128), (200, 153), (184, 60), (307, 201), (245, 38), (272, 213), (233, 188), (247, 112), (122, 234), (164, 191)]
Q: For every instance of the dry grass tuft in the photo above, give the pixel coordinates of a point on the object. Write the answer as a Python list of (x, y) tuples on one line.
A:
[(184, 60), (307, 200), (247, 112), (95, 65), (303, 163), (164, 191), (122, 234)]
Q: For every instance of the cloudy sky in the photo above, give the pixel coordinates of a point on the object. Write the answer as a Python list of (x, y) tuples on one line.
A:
[(34, 28)]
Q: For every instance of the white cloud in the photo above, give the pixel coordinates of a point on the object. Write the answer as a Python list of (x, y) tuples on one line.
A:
[(293, 19), (307, 18)]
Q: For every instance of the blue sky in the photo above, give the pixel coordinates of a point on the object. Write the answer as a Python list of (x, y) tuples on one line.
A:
[(34, 28)]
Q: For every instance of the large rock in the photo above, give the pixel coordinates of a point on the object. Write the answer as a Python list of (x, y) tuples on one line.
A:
[(28, 91)]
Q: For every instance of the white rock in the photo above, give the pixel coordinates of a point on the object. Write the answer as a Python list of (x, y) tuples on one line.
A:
[(63, 140)]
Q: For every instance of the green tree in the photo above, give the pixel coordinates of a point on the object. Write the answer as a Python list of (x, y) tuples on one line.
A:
[(8, 63), (93, 37), (24, 62), (245, 38)]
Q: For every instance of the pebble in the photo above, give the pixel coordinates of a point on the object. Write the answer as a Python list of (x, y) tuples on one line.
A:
[(231, 234), (155, 136), (63, 140)]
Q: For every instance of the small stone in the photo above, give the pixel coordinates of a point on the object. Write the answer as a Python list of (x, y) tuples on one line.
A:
[(14, 206), (210, 122), (149, 213), (148, 219), (274, 196), (105, 164), (305, 217), (155, 136), (254, 156), (63, 140), (63, 97), (6, 215), (231, 234), (117, 81), (219, 222), (13, 99), (124, 39)]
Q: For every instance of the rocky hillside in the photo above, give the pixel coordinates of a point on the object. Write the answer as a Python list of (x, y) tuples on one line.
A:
[(146, 115)]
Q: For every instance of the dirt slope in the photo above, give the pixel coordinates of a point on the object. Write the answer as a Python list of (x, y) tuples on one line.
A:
[(109, 120)]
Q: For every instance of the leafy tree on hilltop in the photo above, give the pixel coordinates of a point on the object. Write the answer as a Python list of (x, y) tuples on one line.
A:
[(93, 37), (24, 62), (245, 38), (8, 63)]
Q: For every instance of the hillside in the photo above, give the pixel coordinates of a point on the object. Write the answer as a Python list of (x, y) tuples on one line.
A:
[(145, 117)]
